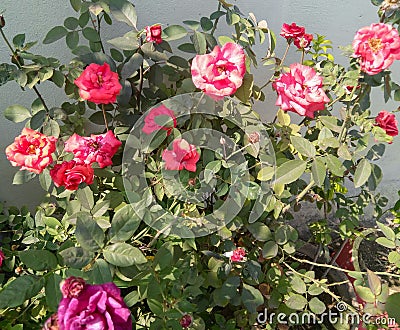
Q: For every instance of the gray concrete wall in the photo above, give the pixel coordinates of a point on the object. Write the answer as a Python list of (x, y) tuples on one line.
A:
[(338, 20)]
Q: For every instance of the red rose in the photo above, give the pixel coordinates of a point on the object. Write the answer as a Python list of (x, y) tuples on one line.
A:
[(71, 175), (304, 41), (98, 84), (31, 150), (153, 33), (292, 31), (186, 321), (388, 122), (96, 148), (150, 124), (183, 155)]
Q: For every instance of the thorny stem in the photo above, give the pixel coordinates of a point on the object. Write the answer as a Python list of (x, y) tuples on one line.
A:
[(140, 88), (216, 21), (302, 56), (104, 116), (19, 65), (300, 196), (98, 31)]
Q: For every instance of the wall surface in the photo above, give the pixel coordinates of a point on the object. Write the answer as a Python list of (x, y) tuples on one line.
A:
[(338, 20)]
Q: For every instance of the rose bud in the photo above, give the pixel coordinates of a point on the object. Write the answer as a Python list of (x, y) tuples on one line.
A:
[(2, 21), (186, 321), (72, 287)]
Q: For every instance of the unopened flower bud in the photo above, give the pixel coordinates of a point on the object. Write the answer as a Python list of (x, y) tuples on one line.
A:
[(222, 140), (192, 182), (72, 287), (2, 21), (186, 321), (254, 137)]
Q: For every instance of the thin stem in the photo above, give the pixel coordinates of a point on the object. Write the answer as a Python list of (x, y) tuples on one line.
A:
[(300, 196), (302, 56), (333, 260), (98, 31), (285, 54), (104, 116), (140, 88), (19, 65), (216, 21)]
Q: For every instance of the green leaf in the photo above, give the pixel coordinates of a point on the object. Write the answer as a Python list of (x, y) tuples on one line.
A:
[(23, 176), (38, 259), (91, 34), (224, 39), (318, 171), (365, 293), (206, 24), (53, 292), (174, 32), (303, 146), (51, 128), (17, 113), (317, 306), (85, 197), (72, 39), (100, 273), (387, 231), (270, 250), (335, 165), (124, 224), (123, 255), (392, 306), (55, 34), (89, 234), (251, 298), (290, 171), (194, 25), (76, 4), (19, 40), (132, 66), (71, 23), (150, 51), (124, 11), (260, 231), (296, 302), (385, 242), (128, 41), (76, 257), (244, 92), (374, 283), (362, 173), (199, 42), (58, 78), (266, 173), (19, 290), (298, 284)]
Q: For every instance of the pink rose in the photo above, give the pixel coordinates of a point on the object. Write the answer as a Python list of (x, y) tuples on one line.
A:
[(186, 321), (71, 175), (153, 33), (183, 155), (2, 257), (221, 72), (388, 122), (98, 84), (292, 31), (97, 307), (31, 150), (304, 41), (377, 46), (150, 124), (237, 255), (96, 148), (72, 287), (300, 91)]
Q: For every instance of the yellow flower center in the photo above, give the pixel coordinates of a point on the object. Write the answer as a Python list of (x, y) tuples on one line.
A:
[(31, 150), (100, 79), (375, 44)]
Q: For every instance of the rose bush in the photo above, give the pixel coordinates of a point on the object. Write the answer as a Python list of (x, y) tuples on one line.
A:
[(169, 201)]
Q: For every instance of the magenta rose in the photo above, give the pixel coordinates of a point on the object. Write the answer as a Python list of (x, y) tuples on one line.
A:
[(388, 122), (183, 155), (219, 73), (186, 321), (98, 84), (292, 31), (377, 46), (71, 174), (153, 33), (96, 307), (2, 257), (51, 323), (96, 148), (31, 150), (300, 90), (150, 124)]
